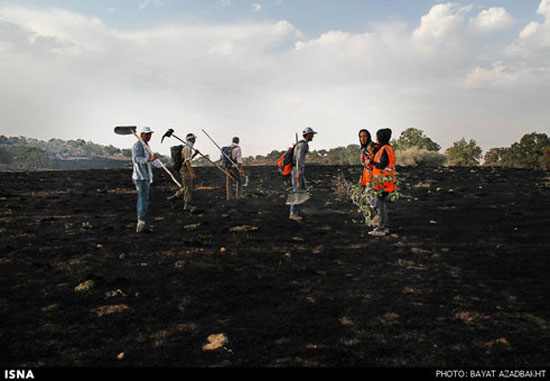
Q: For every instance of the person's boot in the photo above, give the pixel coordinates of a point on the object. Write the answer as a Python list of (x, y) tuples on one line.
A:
[(295, 217), (140, 226)]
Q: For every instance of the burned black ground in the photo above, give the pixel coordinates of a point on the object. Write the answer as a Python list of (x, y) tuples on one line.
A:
[(461, 281)]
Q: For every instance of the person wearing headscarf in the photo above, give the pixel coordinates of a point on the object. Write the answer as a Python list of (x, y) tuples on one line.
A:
[(383, 178), (368, 149)]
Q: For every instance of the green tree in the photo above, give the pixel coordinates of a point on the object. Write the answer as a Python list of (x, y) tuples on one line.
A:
[(5, 156), (414, 156), (529, 151), (413, 137), (494, 157), (33, 159), (546, 159), (463, 153)]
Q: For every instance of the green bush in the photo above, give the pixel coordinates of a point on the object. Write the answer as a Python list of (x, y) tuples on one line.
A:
[(463, 153), (545, 161), (415, 156), (527, 153), (413, 137)]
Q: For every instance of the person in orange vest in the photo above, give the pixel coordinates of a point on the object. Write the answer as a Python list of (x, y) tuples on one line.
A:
[(383, 175), (368, 149)]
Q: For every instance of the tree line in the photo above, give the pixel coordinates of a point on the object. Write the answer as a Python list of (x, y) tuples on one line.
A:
[(412, 148), (22, 153)]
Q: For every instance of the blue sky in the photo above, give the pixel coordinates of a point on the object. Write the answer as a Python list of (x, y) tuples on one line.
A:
[(263, 70)]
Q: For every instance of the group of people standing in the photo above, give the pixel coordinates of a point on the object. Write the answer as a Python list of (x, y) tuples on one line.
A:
[(142, 175), (377, 158), (378, 162)]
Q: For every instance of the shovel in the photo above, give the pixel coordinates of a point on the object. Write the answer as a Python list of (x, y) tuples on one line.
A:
[(299, 196), (230, 160), (131, 130)]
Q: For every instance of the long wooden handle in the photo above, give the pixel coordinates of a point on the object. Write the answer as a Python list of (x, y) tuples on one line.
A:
[(152, 154), (224, 154), (200, 153), (297, 163)]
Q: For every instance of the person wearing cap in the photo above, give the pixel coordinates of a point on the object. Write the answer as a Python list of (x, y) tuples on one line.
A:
[(235, 153), (299, 168), (142, 174), (187, 173)]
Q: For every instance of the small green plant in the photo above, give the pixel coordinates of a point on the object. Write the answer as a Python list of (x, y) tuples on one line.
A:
[(364, 197)]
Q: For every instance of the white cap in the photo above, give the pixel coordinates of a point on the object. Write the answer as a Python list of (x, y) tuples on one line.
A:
[(145, 130), (308, 130)]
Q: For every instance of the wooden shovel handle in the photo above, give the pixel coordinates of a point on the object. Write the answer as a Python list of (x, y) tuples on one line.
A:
[(161, 164)]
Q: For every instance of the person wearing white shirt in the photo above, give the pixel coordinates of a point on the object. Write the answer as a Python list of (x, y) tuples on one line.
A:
[(142, 174), (235, 170)]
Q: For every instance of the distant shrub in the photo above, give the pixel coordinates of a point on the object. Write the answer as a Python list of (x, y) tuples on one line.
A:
[(463, 153), (414, 156), (545, 161), (527, 153), (414, 137), (33, 159), (5, 156), (494, 157)]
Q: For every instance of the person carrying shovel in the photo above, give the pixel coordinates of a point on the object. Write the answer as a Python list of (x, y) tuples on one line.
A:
[(298, 169), (142, 174)]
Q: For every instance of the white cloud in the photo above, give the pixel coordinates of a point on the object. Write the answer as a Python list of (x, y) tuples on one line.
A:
[(265, 81), (533, 42), (492, 19), (544, 9), (442, 24), (497, 76)]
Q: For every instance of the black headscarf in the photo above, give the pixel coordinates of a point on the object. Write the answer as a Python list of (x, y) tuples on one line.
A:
[(384, 136), (369, 139)]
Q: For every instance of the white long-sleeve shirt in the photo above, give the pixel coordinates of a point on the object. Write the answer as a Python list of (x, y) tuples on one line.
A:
[(142, 167), (236, 153)]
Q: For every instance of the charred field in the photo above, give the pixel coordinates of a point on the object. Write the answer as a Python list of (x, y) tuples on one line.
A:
[(462, 280)]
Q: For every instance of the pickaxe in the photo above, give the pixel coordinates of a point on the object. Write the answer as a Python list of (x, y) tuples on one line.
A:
[(170, 133)]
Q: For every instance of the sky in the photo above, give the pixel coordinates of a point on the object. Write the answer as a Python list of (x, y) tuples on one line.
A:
[(264, 70)]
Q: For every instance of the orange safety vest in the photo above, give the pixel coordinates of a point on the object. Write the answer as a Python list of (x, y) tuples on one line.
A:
[(389, 171), (366, 177)]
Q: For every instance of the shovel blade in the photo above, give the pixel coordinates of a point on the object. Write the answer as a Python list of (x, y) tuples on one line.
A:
[(125, 130), (297, 198)]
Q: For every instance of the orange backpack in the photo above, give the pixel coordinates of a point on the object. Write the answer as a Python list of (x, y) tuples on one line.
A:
[(285, 162)]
